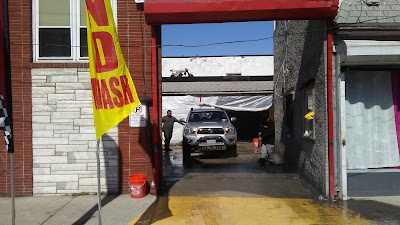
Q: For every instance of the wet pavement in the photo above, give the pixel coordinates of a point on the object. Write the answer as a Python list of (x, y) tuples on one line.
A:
[(239, 191)]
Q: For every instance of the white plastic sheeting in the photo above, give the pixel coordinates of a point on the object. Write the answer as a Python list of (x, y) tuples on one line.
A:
[(181, 105), (239, 103), (371, 137)]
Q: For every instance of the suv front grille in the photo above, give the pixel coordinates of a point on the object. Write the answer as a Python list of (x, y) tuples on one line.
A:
[(210, 131)]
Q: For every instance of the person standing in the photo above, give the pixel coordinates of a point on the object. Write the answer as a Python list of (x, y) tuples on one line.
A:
[(168, 127)]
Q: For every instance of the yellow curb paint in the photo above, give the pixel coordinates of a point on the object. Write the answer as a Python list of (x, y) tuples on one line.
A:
[(198, 210), (136, 219), (132, 222)]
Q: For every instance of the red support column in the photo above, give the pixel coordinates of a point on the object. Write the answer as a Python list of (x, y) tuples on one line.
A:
[(155, 119), (331, 159)]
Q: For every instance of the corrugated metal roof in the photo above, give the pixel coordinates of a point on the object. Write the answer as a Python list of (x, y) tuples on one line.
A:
[(362, 12)]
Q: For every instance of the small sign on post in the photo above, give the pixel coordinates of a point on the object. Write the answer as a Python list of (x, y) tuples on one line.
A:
[(138, 117)]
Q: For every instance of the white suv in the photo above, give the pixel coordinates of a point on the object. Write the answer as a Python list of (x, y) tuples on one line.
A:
[(208, 131)]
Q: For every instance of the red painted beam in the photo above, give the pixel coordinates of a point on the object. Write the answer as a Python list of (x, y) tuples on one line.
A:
[(155, 119), (214, 11), (331, 156)]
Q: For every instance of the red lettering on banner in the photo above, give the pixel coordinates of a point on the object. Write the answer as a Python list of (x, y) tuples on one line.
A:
[(96, 93), (119, 100), (105, 94), (108, 52), (126, 90), (97, 9), (104, 89)]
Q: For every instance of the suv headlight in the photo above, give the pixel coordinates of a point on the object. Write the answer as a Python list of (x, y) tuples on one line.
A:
[(190, 130), (229, 129)]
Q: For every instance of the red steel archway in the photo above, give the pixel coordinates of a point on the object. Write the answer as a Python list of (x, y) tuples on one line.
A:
[(214, 11), (158, 12)]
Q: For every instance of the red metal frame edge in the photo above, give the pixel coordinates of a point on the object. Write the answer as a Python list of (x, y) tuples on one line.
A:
[(214, 11), (331, 160)]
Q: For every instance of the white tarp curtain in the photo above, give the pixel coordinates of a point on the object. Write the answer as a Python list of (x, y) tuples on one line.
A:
[(181, 105), (239, 103), (371, 138)]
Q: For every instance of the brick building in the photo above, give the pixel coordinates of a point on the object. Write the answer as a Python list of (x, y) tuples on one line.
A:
[(53, 120), (53, 132)]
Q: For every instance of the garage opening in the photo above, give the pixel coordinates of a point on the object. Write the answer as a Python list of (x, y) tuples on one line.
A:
[(231, 69), (191, 12), (237, 79), (248, 123)]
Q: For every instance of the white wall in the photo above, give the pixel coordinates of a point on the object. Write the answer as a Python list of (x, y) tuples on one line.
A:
[(180, 107), (64, 141), (220, 66), (369, 47)]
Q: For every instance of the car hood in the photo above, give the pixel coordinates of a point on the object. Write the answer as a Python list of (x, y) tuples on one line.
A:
[(208, 124)]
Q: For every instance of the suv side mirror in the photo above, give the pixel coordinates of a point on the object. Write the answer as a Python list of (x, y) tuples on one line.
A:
[(233, 119), (182, 120)]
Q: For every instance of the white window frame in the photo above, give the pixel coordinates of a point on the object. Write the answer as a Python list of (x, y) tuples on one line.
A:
[(75, 32), (306, 134)]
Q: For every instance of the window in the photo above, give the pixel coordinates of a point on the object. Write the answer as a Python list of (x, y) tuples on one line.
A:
[(59, 30), (208, 116), (309, 113)]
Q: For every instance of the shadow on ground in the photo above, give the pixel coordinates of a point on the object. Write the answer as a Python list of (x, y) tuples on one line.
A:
[(379, 212), (91, 212), (111, 175)]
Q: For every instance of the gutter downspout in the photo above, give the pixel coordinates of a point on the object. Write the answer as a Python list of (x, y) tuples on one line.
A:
[(155, 118), (331, 159)]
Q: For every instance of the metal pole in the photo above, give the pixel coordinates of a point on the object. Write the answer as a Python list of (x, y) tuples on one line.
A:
[(12, 187), (98, 183)]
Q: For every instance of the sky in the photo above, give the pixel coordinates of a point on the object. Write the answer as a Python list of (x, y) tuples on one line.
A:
[(208, 34)]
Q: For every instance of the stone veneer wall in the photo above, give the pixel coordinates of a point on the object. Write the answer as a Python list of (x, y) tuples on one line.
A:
[(304, 55), (63, 136)]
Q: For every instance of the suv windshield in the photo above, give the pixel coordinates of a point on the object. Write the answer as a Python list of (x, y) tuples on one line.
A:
[(209, 116)]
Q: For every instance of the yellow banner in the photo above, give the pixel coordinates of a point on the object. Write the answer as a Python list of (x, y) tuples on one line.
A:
[(113, 92)]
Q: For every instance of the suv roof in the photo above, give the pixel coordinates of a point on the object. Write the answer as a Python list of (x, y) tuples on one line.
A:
[(207, 110)]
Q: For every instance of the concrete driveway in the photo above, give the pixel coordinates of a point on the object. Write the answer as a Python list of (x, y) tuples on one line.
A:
[(239, 191)]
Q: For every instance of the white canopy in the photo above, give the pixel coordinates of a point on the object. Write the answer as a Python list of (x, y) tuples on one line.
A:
[(239, 103)]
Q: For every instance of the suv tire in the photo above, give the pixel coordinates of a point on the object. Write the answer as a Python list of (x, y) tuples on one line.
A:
[(233, 151)]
